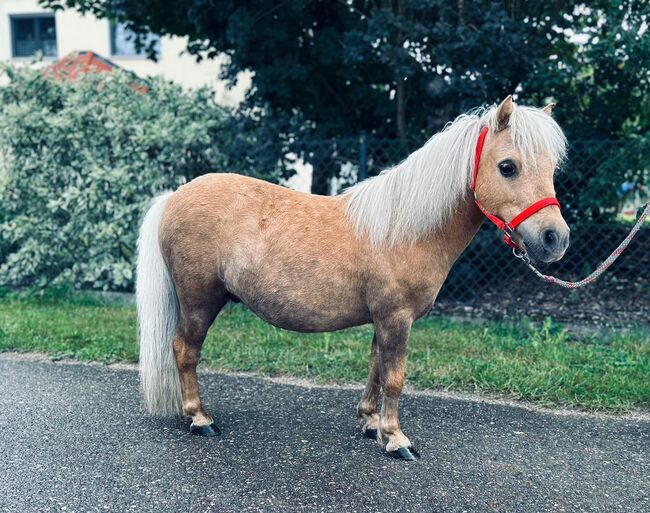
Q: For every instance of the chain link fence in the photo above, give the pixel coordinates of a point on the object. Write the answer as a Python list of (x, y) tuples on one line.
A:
[(601, 187)]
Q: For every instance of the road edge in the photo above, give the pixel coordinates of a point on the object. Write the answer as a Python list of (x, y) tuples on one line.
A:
[(635, 415)]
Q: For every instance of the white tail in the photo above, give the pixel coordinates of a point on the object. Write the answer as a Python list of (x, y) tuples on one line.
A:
[(158, 317)]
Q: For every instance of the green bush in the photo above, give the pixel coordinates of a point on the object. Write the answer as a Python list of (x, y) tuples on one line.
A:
[(80, 160)]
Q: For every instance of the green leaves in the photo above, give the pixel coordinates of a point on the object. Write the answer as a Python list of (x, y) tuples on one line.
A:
[(79, 162), (401, 69)]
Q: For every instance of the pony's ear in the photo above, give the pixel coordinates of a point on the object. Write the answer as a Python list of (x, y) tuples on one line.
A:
[(504, 111), (549, 108)]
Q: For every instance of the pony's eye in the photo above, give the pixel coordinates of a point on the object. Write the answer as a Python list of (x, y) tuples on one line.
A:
[(508, 168)]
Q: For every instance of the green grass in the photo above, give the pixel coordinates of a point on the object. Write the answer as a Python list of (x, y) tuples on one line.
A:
[(546, 363)]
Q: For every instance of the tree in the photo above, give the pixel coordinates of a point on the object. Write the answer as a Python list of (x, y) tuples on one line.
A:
[(399, 68), (599, 73), (395, 69)]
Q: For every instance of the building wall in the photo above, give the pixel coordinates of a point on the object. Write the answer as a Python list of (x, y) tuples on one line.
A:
[(75, 32)]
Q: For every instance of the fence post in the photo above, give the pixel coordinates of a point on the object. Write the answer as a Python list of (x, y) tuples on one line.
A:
[(362, 173)]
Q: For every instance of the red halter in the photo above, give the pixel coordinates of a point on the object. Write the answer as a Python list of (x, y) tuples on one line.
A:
[(508, 229)]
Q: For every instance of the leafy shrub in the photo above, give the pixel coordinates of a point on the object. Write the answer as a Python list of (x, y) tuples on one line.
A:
[(80, 161)]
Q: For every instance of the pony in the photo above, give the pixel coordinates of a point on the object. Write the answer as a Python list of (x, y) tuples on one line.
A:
[(377, 253)]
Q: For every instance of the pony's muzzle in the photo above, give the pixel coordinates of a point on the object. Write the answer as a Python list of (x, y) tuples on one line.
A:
[(546, 245), (554, 242)]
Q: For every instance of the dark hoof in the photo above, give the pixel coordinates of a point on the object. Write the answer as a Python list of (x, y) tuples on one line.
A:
[(405, 453), (371, 433), (207, 430)]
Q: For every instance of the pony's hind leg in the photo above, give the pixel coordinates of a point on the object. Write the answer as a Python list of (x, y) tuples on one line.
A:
[(367, 407), (192, 329)]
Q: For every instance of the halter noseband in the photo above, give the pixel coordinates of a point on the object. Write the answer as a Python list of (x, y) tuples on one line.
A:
[(508, 229)]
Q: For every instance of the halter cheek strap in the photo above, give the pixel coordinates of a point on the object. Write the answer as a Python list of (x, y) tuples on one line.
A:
[(508, 229)]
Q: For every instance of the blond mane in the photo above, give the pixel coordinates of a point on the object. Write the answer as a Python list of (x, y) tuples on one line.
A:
[(415, 197)]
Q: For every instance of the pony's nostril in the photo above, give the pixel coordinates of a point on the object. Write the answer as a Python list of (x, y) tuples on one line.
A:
[(550, 239)]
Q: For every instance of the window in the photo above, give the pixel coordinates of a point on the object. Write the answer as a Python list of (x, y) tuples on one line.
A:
[(34, 33), (123, 42)]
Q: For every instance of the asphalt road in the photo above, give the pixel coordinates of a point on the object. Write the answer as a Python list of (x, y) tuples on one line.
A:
[(73, 438)]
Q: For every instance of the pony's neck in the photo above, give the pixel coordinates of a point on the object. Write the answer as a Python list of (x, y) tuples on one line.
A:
[(449, 240), (416, 198)]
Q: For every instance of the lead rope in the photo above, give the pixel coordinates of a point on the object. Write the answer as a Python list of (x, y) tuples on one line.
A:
[(599, 270)]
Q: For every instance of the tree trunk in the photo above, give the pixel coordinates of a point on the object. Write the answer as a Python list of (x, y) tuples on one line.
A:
[(320, 180), (400, 86), (401, 109), (322, 169)]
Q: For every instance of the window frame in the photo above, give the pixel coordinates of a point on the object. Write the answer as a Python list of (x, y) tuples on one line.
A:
[(34, 17), (112, 27)]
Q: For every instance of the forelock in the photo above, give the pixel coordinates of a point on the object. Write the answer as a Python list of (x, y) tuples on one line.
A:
[(533, 132)]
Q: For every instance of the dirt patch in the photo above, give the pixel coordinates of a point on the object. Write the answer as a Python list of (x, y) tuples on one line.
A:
[(611, 302)]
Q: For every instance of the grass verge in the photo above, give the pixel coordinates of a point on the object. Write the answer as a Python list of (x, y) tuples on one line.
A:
[(545, 364)]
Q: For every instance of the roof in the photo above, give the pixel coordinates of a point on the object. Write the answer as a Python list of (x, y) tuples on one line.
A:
[(82, 62)]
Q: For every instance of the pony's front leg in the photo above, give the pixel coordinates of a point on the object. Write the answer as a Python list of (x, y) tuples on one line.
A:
[(392, 337), (367, 407)]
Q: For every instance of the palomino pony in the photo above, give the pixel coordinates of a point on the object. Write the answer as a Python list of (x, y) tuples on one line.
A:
[(378, 253)]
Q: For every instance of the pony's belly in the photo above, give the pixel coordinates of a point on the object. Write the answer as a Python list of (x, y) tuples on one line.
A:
[(307, 321), (290, 313), (300, 291), (314, 325)]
